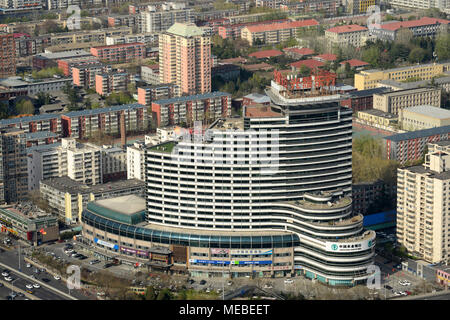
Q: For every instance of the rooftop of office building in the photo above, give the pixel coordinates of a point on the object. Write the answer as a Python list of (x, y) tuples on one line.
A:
[(65, 184), (128, 209), (430, 173)]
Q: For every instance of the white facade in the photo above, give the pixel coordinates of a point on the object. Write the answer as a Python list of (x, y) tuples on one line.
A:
[(158, 21), (136, 161), (114, 160)]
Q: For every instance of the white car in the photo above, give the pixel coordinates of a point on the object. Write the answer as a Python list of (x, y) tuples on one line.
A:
[(5, 274), (57, 277), (8, 279), (404, 283), (229, 283), (403, 293), (288, 281), (29, 286), (397, 293), (36, 286), (28, 265), (268, 286)]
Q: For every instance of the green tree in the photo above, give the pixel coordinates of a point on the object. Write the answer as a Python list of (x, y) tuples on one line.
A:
[(25, 107), (150, 293), (417, 55), (165, 294), (443, 47)]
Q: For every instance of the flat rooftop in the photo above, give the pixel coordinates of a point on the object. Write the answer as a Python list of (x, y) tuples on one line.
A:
[(379, 113), (127, 205), (229, 124), (261, 112), (432, 174), (65, 184), (430, 111)]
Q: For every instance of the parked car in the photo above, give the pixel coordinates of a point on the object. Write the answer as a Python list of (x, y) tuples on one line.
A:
[(56, 277), (9, 279), (202, 282), (36, 286), (28, 265), (46, 280), (288, 281), (94, 261), (30, 291), (29, 286), (229, 283), (5, 273), (388, 287)]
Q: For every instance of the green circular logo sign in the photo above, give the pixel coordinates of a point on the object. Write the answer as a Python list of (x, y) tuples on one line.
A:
[(334, 247)]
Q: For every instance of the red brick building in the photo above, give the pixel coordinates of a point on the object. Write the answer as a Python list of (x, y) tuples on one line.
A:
[(120, 52), (7, 55)]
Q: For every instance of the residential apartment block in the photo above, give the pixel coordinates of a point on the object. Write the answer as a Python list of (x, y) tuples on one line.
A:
[(158, 21), (233, 31), (410, 146), (47, 60), (83, 36), (185, 58), (275, 33), (148, 94), (423, 215), (150, 74), (38, 123), (192, 108), (149, 39), (82, 124), (126, 52), (329, 7), (369, 79), (7, 55), (443, 5), (352, 34), (424, 27), (13, 165), (68, 198), (114, 163), (136, 161), (395, 101), (109, 82), (359, 6), (362, 99), (83, 74)]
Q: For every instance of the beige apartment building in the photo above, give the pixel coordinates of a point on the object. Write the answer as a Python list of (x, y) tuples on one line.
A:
[(395, 101), (276, 32), (97, 36), (352, 34), (424, 117), (185, 58), (422, 207), (369, 79)]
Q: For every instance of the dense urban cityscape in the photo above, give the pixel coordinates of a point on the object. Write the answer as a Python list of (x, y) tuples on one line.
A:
[(226, 150)]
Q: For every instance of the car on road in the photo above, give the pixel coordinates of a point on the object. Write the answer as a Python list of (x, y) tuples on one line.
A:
[(229, 283), (33, 276), (20, 294), (28, 265), (397, 293), (5, 273), (9, 279), (404, 283), (36, 285), (208, 290), (94, 261), (42, 270), (107, 265), (388, 287), (56, 277), (268, 286), (74, 254), (82, 257), (29, 286), (45, 280), (13, 294), (30, 291), (202, 282), (288, 281)]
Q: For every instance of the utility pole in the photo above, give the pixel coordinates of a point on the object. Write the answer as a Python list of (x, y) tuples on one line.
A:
[(19, 258)]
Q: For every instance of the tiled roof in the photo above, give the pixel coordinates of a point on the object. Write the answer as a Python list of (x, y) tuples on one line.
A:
[(283, 25), (355, 63), (347, 28), (310, 63), (303, 51), (266, 54), (414, 23)]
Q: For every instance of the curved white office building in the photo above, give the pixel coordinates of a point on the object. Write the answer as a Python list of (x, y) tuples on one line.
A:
[(282, 171)]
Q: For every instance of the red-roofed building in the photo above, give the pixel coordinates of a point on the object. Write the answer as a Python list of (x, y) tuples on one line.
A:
[(310, 63), (352, 34), (325, 57), (275, 32), (265, 54), (425, 27), (355, 63), (233, 31), (297, 53)]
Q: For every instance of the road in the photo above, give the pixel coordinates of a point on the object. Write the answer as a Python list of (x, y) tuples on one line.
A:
[(10, 258)]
